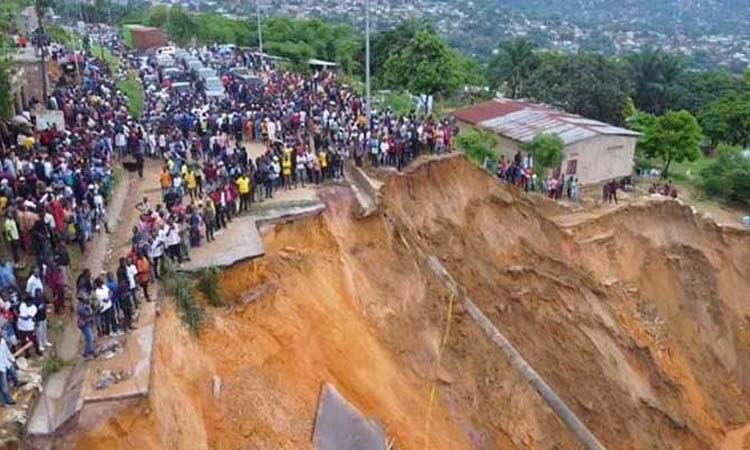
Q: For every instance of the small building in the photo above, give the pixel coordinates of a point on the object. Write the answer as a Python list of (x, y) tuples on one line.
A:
[(144, 38), (594, 151)]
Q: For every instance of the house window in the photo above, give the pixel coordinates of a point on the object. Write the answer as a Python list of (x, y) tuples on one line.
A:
[(572, 167)]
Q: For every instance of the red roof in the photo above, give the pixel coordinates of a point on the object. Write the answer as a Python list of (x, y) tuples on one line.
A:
[(488, 110)]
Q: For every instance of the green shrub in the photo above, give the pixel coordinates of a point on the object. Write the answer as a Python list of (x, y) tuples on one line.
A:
[(53, 365), (728, 176), (209, 283), (479, 145), (180, 289)]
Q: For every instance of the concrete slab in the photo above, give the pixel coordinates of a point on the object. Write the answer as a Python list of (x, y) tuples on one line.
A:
[(339, 425), (60, 401), (242, 241), (238, 242), (134, 359), (365, 188)]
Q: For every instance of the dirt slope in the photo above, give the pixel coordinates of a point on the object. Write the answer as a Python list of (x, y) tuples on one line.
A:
[(638, 318)]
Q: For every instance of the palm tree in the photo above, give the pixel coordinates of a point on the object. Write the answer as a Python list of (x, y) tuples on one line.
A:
[(513, 65), (655, 74)]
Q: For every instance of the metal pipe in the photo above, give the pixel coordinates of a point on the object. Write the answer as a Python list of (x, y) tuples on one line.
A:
[(576, 426)]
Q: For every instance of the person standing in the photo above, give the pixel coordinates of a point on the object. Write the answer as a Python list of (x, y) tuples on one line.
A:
[(26, 326), (85, 322), (8, 369), (13, 236), (106, 310), (139, 162), (209, 218), (144, 274), (243, 185), (126, 296), (40, 301)]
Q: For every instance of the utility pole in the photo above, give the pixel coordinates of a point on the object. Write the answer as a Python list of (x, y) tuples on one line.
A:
[(40, 32), (260, 32), (368, 100)]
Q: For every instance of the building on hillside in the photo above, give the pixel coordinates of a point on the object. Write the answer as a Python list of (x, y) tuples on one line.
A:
[(594, 151), (144, 38)]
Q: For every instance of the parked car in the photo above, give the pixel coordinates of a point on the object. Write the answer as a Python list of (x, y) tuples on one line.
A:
[(180, 87), (214, 87), (206, 73)]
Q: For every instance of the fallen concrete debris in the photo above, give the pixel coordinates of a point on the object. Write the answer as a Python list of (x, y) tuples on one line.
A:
[(341, 426), (109, 377), (110, 349)]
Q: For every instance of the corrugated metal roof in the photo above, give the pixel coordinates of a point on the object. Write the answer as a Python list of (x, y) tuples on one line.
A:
[(522, 121)]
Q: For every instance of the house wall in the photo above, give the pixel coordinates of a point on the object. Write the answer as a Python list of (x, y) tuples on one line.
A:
[(601, 158), (597, 159)]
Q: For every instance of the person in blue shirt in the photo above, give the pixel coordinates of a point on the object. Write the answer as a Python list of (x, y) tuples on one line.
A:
[(114, 290), (7, 275)]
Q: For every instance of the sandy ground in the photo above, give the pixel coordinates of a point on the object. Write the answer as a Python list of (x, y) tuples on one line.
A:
[(635, 315)]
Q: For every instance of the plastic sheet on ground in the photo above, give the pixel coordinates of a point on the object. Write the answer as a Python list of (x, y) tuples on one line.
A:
[(340, 426)]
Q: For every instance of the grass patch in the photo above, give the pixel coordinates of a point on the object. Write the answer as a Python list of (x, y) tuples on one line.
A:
[(106, 55), (180, 289), (133, 89), (53, 365), (209, 284)]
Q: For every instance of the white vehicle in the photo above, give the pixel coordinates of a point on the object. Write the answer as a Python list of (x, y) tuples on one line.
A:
[(168, 50), (180, 87), (214, 88), (165, 61), (206, 73), (193, 64)]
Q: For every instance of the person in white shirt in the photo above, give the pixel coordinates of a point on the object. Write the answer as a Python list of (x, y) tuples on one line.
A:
[(34, 282), (156, 251), (132, 272), (173, 243), (106, 310), (26, 325)]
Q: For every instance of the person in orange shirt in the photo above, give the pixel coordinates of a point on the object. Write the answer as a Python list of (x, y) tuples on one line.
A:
[(143, 265), (165, 179)]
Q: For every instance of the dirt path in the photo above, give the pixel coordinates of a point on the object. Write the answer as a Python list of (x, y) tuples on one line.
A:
[(56, 404)]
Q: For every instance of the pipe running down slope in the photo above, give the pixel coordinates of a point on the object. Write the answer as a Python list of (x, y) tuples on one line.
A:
[(579, 429)]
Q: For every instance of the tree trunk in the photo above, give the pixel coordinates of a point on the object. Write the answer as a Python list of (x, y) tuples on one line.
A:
[(665, 172)]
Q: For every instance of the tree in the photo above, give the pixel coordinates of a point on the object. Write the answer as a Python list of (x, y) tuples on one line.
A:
[(547, 150), (655, 76), (427, 65), (585, 83), (697, 90), (386, 43), (513, 65), (672, 137), (180, 25), (728, 120), (728, 176), (6, 97)]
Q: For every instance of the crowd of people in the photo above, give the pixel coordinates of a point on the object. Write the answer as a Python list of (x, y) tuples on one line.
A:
[(309, 125), (520, 172), (55, 180)]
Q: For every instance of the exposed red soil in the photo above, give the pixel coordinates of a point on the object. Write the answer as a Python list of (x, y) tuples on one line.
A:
[(637, 317)]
